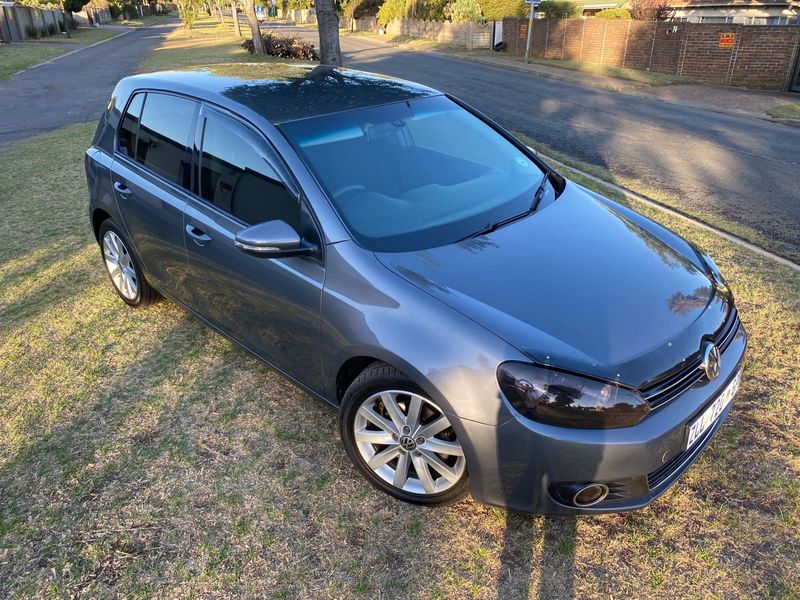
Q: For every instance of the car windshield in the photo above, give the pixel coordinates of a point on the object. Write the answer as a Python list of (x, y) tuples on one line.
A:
[(415, 174)]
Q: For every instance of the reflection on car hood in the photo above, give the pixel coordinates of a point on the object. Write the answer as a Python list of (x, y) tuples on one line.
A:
[(576, 286)]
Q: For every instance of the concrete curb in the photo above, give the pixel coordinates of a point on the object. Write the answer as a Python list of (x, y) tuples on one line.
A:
[(60, 56), (608, 86), (630, 194)]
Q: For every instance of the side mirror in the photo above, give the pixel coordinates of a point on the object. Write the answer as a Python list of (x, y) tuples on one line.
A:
[(271, 240), (532, 150)]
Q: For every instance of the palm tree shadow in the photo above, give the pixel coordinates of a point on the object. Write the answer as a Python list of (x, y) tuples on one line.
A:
[(556, 557)]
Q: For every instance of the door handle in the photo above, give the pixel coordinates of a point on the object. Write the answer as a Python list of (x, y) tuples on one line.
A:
[(200, 237), (121, 188)]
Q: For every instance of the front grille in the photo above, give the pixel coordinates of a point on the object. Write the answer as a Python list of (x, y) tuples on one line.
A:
[(665, 471), (671, 385)]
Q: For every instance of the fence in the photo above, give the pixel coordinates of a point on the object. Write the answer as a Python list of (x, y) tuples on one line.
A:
[(754, 56), (469, 35), (306, 15), (16, 20)]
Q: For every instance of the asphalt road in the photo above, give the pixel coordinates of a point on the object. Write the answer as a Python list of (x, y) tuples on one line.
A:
[(742, 170), (73, 89), (737, 169)]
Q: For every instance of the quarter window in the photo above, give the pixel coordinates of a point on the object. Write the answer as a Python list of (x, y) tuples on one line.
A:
[(130, 125), (236, 176), (163, 137)]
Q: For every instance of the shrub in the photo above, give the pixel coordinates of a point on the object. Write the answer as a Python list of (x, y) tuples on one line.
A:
[(52, 29), (284, 46), (497, 10), (618, 14), (428, 10), (559, 9), (32, 31), (464, 11)]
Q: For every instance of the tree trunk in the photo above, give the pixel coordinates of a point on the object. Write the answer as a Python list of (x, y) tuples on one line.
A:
[(219, 12), (237, 28), (328, 24), (255, 30), (67, 22)]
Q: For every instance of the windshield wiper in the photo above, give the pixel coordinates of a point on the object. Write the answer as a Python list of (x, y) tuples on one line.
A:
[(537, 196), (494, 225)]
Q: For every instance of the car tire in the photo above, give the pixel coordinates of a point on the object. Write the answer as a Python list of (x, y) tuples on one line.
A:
[(400, 440), (123, 268)]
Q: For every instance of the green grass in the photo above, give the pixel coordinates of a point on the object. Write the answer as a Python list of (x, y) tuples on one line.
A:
[(145, 21), (16, 57), (208, 43), (142, 455), (83, 35), (706, 214), (785, 111)]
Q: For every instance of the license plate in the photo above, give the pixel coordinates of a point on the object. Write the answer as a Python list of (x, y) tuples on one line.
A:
[(710, 415)]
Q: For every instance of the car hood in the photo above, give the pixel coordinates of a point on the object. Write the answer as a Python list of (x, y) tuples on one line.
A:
[(577, 286)]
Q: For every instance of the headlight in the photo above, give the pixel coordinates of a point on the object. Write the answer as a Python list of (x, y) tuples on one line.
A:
[(566, 400)]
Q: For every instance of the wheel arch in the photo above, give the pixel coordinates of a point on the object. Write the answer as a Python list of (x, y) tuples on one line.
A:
[(98, 216)]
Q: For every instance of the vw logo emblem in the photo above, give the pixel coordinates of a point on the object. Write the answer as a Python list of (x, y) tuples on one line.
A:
[(711, 361), (407, 443)]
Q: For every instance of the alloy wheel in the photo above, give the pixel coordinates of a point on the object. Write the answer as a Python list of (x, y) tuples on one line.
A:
[(408, 442), (119, 265)]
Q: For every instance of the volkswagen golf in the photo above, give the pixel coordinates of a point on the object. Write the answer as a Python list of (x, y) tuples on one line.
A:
[(481, 323)]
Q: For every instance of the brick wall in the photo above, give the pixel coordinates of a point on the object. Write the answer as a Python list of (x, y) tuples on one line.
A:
[(761, 57)]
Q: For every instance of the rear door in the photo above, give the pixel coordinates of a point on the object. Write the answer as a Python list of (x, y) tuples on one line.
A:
[(271, 305), (151, 177)]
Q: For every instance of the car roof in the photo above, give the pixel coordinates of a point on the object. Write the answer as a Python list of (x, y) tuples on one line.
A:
[(281, 92)]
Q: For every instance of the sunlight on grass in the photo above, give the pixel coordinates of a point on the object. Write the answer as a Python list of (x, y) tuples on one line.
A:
[(207, 43), (143, 455)]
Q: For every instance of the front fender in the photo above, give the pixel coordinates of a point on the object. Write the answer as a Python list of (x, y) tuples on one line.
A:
[(368, 311)]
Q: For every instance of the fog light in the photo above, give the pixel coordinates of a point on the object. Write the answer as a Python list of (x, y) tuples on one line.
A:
[(589, 495)]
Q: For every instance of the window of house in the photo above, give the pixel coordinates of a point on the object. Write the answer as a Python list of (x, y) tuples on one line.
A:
[(235, 175), (162, 143), (717, 20)]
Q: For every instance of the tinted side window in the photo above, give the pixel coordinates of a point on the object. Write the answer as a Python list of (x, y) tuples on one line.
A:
[(164, 131), (235, 176), (130, 125)]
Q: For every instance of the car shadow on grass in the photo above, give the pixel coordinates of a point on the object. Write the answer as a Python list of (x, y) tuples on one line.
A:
[(537, 552)]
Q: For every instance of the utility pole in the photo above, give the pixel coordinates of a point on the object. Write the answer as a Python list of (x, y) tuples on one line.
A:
[(533, 4)]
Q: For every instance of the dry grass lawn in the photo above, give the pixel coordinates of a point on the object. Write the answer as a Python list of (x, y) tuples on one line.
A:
[(143, 456)]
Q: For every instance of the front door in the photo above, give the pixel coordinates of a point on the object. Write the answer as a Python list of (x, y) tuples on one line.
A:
[(151, 180), (794, 86), (271, 305)]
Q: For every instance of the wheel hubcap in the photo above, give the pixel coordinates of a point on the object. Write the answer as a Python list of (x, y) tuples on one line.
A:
[(408, 442), (119, 265)]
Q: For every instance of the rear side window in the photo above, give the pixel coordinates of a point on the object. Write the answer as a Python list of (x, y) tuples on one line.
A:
[(130, 124), (162, 142), (236, 176)]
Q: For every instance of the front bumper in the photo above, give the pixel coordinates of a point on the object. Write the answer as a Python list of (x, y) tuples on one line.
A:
[(516, 464)]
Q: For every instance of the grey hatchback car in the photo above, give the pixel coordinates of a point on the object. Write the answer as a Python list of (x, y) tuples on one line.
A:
[(481, 323)]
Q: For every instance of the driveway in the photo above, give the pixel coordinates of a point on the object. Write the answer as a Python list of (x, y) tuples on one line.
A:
[(73, 89), (743, 171)]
